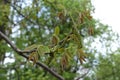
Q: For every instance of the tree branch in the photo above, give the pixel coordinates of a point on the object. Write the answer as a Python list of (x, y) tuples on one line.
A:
[(15, 8), (20, 52)]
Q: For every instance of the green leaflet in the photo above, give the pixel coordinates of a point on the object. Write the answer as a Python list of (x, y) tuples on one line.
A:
[(57, 30), (31, 47), (41, 49)]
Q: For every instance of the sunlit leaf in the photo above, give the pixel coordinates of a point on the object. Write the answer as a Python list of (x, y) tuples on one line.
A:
[(31, 47), (57, 30), (41, 49)]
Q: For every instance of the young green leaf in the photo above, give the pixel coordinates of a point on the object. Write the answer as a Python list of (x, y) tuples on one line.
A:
[(57, 30), (43, 49), (31, 47)]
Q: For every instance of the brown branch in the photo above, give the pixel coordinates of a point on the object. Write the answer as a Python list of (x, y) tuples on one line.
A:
[(20, 52)]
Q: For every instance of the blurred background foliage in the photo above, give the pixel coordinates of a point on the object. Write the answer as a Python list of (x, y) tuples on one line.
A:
[(47, 23)]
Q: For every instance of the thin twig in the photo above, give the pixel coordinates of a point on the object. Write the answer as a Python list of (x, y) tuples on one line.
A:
[(20, 52), (15, 8)]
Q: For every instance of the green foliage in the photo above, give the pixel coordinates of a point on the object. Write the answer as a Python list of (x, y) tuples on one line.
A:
[(4, 14), (55, 30), (3, 76), (108, 67)]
